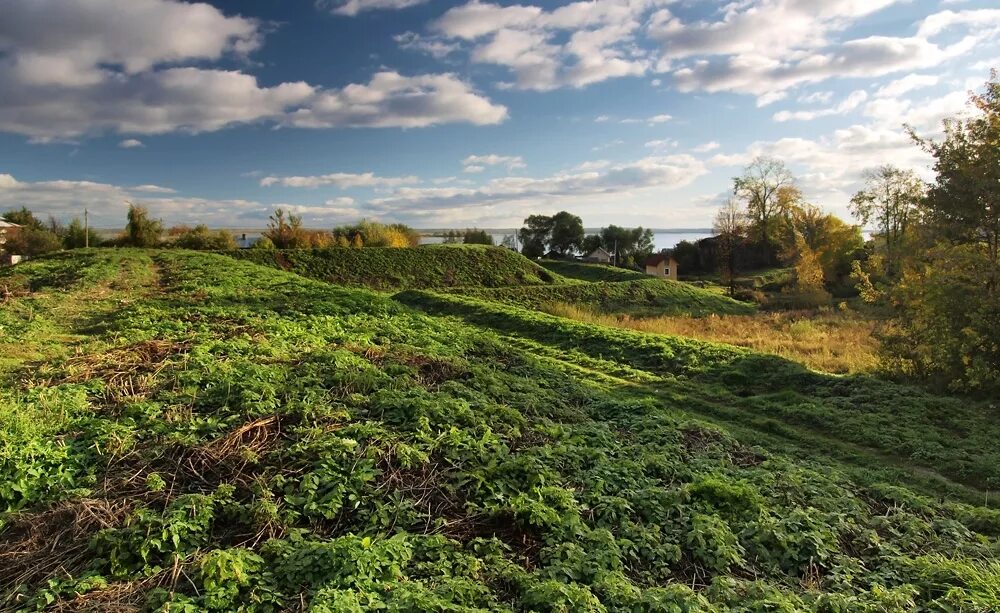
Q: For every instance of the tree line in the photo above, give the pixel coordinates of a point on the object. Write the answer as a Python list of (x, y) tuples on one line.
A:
[(562, 235)]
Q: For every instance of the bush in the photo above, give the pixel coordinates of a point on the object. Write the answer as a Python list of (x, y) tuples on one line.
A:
[(203, 239)]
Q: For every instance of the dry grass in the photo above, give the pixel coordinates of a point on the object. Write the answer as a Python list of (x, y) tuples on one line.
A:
[(831, 341)]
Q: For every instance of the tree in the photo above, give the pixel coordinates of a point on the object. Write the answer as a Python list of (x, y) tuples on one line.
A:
[(31, 241), (477, 237), (963, 204), (286, 231), (629, 245), (765, 187), (567, 234), (141, 230), (263, 244), (948, 300), (534, 236), (24, 218), (452, 237), (77, 236), (591, 243), (730, 226), (201, 238), (834, 243), (891, 198), (374, 234)]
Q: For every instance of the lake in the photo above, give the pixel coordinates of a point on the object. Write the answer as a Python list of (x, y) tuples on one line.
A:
[(662, 239)]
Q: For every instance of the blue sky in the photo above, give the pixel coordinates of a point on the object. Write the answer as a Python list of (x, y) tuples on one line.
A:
[(456, 114)]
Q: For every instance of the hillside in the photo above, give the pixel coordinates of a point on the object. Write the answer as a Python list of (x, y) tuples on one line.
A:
[(421, 267), (591, 272), (646, 296), (185, 431)]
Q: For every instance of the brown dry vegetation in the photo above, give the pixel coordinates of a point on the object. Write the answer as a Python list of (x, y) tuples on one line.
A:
[(826, 340)]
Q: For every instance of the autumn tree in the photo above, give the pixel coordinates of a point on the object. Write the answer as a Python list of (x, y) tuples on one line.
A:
[(891, 199), (141, 229), (765, 187), (730, 227)]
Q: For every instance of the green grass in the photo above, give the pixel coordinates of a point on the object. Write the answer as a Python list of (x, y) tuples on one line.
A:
[(226, 436), (641, 298), (938, 434), (591, 272), (421, 267)]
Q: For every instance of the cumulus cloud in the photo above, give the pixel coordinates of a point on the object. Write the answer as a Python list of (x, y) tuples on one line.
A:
[(765, 47), (72, 68), (351, 8), (342, 180), (570, 46), (394, 100), (478, 163), (131, 143)]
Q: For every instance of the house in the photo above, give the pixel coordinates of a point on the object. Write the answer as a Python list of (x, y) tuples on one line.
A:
[(598, 255), (245, 242), (661, 265), (7, 229)]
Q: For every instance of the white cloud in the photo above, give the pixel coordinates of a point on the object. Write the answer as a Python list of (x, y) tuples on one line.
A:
[(342, 180), (72, 68), (906, 84), (665, 143), (152, 189), (851, 102), (766, 47), (570, 46), (706, 147), (478, 163), (353, 7), (394, 100), (664, 172), (131, 143)]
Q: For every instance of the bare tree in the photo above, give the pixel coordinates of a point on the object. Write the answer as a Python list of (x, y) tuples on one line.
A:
[(730, 227), (891, 198), (764, 187)]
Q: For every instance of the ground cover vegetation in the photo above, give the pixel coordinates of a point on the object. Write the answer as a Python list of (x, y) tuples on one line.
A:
[(187, 432), (640, 298), (429, 266)]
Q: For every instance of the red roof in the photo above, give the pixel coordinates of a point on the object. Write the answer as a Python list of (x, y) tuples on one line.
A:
[(656, 258)]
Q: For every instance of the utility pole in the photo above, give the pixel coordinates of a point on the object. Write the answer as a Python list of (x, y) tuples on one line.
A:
[(615, 258), (86, 228)]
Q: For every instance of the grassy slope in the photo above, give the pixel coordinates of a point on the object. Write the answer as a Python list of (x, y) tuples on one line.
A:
[(642, 297), (591, 272), (422, 267), (222, 435), (949, 436)]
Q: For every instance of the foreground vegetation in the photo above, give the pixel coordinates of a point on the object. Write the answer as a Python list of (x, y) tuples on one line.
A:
[(644, 297), (396, 268), (831, 341), (187, 431)]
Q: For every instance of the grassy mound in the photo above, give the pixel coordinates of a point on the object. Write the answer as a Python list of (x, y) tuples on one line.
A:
[(646, 296), (188, 432), (421, 267), (591, 272)]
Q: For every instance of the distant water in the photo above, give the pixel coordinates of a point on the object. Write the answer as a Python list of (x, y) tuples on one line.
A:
[(669, 239), (664, 239)]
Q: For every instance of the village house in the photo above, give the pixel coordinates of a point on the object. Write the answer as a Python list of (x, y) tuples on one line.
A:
[(7, 231), (661, 265), (598, 255)]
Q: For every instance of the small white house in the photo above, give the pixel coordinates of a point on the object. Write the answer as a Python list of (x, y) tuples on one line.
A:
[(7, 229), (598, 255), (661, 265)]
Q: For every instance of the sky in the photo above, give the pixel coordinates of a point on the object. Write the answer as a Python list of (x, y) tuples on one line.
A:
[(459, 114)]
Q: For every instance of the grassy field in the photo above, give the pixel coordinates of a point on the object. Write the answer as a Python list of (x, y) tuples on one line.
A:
[(591, 272), (831, 341), (640, 298), (421, 267), (185, 432)]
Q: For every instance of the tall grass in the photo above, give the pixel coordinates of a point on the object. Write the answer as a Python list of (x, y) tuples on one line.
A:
[(829, 341)]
